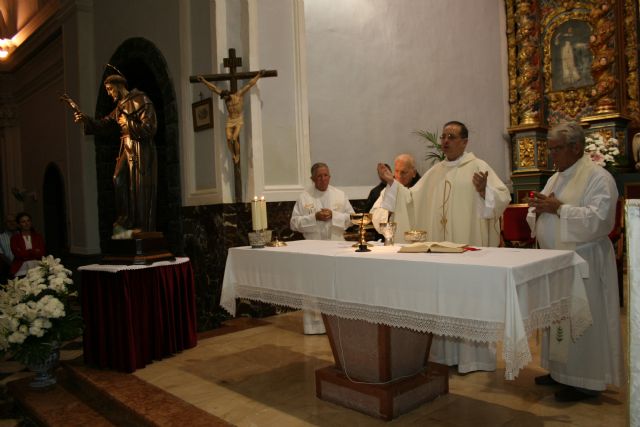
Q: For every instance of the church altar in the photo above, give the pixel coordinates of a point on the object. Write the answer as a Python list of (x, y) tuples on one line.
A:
[(488, 295), (135, 314)]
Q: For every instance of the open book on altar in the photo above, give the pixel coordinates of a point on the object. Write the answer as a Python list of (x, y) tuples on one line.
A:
[(433, 247)]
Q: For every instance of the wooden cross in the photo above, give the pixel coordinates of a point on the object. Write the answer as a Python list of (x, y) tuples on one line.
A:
[(232, 63)]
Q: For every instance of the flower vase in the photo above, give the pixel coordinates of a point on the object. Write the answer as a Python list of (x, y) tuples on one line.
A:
[(44, 370)]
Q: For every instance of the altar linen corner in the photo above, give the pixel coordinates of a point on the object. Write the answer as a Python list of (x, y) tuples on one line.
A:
[(520, 290)]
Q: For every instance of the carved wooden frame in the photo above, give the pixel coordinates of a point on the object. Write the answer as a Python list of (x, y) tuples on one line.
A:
[(571, 101)]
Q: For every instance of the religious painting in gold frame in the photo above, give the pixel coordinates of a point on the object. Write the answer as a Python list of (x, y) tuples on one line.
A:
[(202, 114), (571, 57), (568, 60)]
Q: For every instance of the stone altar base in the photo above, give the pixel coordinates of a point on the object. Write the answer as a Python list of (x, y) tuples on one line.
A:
[(380, 370), (142, 248)]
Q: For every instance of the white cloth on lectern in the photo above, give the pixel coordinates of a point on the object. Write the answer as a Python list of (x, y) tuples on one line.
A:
[(595, 359), (447, 191), (303, 220)]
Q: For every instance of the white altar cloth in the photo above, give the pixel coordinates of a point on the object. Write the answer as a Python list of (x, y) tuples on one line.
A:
[(489, 295)]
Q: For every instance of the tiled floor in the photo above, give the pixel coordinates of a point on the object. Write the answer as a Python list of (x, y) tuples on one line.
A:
[(264, 376)]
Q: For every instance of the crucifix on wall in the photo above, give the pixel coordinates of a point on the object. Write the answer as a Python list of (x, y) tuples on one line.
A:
[(233, 99)]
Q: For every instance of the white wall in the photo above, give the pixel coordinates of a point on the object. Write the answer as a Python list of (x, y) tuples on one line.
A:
[(380, 69)]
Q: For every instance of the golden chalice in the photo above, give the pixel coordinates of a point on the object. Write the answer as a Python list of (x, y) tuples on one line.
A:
[(362, 220)]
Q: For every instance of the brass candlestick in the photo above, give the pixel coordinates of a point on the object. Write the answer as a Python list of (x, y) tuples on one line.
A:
[(362, 220)]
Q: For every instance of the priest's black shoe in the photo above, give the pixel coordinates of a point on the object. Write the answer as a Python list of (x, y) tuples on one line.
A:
[(545, 380), (572, 394)]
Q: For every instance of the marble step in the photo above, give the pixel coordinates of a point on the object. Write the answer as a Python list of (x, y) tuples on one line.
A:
[(55, 406), (95, 397)]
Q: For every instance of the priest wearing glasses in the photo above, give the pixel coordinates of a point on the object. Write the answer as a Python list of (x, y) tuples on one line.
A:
[(576, 211), (459, 199)]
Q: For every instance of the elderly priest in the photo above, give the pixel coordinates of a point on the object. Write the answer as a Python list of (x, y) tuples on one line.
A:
[(460, 200), (576, 211), (322, 212)]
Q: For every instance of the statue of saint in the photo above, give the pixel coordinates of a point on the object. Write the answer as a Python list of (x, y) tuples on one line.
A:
[(635, 147), (235, 106), (570, 74), (135, 175)]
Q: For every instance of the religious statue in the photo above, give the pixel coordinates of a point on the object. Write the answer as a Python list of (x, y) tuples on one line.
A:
[(135, 175), (635, 147), (235, 105), (570, 74)]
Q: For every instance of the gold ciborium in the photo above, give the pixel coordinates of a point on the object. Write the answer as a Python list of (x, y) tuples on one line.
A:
[(362, 220)]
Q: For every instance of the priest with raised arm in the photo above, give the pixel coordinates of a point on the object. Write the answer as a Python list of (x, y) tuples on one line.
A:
[(405, 172), (459, 200), (576, 211)]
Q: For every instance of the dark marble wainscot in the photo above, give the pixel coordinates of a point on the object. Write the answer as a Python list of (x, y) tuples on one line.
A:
[(209, 232)]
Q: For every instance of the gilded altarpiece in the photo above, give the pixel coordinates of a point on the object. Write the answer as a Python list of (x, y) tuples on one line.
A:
[(569, 61)]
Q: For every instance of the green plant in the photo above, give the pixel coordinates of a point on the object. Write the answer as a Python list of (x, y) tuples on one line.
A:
[(434, 147), (35, 313)]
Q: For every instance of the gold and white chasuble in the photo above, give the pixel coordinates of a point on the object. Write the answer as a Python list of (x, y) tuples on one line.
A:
[(445, 203)]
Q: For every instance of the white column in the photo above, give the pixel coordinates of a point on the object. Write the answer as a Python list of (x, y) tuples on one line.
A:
[(632, 225)]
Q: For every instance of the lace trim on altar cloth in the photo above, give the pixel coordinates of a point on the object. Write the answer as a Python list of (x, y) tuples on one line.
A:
[(516, 355), (516, 351), (469, 329), (576, 309)]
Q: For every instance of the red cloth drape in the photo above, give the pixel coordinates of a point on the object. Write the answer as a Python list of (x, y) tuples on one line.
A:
[(136, 316)]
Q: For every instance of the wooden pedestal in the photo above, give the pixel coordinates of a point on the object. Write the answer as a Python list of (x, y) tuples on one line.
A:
[(380, 371), (142, 248)]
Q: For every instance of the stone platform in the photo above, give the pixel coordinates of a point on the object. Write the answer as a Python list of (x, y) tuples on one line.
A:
[(85, 396)]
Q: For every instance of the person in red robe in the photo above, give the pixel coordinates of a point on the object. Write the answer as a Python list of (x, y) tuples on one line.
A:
[(27, 246)]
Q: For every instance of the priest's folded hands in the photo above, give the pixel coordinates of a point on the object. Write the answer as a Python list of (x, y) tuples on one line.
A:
[(545, 204), (324, 214)]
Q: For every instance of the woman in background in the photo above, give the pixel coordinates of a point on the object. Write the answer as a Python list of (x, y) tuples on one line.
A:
[(27, 246)]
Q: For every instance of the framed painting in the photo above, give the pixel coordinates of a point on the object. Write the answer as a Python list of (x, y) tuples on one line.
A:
[(202, 114), (571, 56)]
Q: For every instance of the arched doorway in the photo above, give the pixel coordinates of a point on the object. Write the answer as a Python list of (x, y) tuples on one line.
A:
[(55, 212), (145, 68)]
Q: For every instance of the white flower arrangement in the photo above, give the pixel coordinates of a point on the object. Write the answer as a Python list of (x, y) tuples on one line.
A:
[(603, 153), (35, 315)]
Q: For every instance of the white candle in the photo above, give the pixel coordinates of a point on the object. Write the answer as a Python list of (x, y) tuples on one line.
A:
[(263, 213), (255, 214)]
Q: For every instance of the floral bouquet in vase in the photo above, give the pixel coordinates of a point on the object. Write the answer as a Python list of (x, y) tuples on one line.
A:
[(35, 314), (604, 152)]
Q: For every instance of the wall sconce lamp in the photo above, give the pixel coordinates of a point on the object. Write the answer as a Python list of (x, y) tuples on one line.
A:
[(6, 47)]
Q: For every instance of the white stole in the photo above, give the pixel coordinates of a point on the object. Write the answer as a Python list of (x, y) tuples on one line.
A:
[(571, 194)]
